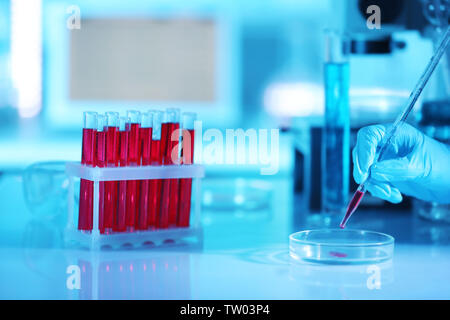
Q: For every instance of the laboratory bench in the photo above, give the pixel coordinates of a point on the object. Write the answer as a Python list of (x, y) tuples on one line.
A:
[(243, 254)]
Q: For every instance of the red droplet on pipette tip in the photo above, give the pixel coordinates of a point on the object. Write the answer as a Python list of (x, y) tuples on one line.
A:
[(353, 205)]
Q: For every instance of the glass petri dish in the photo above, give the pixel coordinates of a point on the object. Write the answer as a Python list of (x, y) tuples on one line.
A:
[(337, 246)]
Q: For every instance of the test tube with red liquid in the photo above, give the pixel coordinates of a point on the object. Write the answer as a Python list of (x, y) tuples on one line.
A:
[(156, 160), (100, 161), (167, 128), (134, 160), (145, 136), (122, 147), (86, 204), (112, 160), (187, 158), (174, 158)]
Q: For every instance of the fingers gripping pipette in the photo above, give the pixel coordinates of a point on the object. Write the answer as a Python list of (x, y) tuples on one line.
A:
[(356, 199)]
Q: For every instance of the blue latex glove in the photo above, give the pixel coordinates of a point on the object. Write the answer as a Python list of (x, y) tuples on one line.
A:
[(414, 164)]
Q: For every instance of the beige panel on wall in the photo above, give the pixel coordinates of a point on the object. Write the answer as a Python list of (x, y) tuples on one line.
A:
[(143, 59)]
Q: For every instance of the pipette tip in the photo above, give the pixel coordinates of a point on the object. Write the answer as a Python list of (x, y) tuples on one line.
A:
[(354, 203)]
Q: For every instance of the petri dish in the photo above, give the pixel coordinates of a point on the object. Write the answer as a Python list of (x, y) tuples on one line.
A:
[(337, 246)]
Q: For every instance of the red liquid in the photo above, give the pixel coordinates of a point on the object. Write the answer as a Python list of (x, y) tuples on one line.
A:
[(120, 219), (100, 150), (86, 204), (187, 153), (100, 161), (173, 152), (155, 187), (110, 198), (173, 201), (169, 205), (163, 215), (112, 154), (134, 159), (134, 150), (144, 205), (338, 254), (155, 154), (352, 207), (164, 133), (132, 203), (145, 145)]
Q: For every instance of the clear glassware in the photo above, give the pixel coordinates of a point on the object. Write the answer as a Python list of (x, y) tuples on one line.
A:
[(336, 130), (336, 246), (45, 187)]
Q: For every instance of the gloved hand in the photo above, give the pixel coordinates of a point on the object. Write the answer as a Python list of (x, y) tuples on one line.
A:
[(413, 164)]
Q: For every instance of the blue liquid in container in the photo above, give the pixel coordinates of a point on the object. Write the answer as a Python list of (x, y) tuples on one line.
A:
[(336, 139)]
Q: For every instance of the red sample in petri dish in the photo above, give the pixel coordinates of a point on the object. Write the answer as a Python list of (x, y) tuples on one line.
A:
[(337, 254)]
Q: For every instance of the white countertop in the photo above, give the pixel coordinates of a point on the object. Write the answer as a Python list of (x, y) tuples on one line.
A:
[(244, 255)]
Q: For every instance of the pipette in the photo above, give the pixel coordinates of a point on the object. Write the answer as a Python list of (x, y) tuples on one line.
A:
[(356, 199)]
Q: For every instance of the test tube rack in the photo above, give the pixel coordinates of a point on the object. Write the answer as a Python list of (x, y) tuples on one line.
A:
[(94, 240)]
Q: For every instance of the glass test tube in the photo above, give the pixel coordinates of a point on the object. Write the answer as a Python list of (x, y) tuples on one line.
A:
[(336, 133), (145, 136), (187, 157), (156, 160), (134, 159), (166, 133), (100, 161), (112, 160), (86, 205), (122, 147), (174, 156)]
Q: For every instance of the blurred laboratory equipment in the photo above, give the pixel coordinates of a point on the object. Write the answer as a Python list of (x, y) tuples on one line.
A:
[(249, 195), (384, 66), (336, 131), (7, 113), (45, 187), (374, 97), (377, 94), (437, 13), (434, 117), (435, 123)]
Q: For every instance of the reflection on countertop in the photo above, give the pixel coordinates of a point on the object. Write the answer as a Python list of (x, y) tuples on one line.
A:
[(243, 256)]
